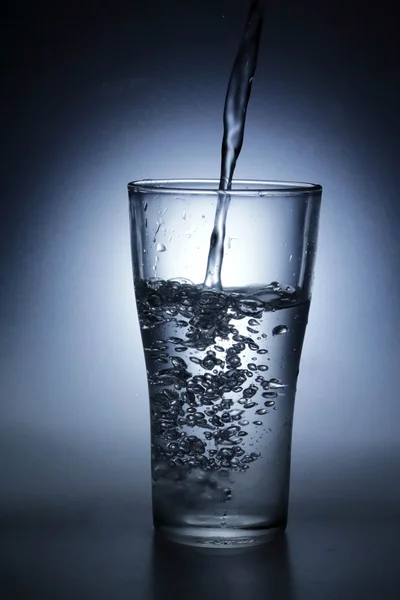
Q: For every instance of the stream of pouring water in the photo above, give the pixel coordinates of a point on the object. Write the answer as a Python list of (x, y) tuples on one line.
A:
[(236, 102), (221, 391)]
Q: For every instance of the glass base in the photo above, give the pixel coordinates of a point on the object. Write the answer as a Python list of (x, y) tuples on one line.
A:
[(209, 537)]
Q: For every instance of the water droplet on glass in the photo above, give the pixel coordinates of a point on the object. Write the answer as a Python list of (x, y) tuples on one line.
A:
[(261, 411), (257, 422), (269, 403), (184, 216), (160, 248)]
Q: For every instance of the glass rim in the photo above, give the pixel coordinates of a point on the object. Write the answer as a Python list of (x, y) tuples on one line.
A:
[(258, 187)]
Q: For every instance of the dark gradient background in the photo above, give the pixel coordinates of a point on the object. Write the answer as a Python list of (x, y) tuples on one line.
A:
[(96, 94)]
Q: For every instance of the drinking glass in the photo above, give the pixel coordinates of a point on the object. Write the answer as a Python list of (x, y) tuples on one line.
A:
[(222, 362)]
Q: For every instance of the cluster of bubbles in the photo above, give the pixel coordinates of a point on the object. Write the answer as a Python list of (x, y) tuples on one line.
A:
[(200, 380)]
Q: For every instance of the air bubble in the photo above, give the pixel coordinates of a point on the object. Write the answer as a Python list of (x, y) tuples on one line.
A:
[(235, 413), (247, 458), (237, 389), (276, 384), (253, 323), (211, 320), (173, 447), (269, 394), (253, 346), (178, 362), (250, 391), (195, 360), (251, 307), (234, 361), (238, 450), (279, 330), (175, 340), (250, 404), (238, 338)]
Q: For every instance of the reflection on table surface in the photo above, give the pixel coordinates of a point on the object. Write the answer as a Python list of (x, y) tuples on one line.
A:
[(185, 572), (111, 553)]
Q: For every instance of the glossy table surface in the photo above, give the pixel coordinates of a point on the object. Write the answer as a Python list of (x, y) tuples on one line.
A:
[(108, 551)]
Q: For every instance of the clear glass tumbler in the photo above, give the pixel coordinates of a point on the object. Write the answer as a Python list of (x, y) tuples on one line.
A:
[(222, 364)]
